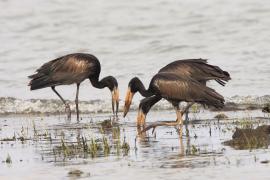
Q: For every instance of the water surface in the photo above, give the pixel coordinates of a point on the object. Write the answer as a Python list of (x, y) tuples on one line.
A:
[(135, 39), (163, 155)]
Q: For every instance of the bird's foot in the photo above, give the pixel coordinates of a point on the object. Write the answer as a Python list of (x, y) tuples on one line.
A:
[(68, 111), (115, 117), (153, 126)]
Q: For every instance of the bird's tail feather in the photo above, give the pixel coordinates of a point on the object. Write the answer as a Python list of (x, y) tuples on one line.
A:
[(213, 98), (221, 75), (218, 74), (222, 83), (40, 81)]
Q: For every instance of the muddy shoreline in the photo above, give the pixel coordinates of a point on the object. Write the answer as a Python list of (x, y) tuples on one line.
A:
[(100, 147), (12, 106)]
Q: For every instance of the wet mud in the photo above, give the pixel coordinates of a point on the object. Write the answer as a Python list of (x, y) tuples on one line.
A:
[(250, 138), (101, 146)]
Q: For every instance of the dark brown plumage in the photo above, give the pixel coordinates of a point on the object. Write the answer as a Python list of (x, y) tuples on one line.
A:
[(197, 69), (70, 69), (183, 80), (176, 89), (65, 70)]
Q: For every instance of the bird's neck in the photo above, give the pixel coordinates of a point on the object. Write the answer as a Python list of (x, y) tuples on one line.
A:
[(141, 88), (147, 103), (98, 84)]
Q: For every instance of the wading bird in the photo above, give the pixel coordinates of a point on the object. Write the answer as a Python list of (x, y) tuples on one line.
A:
[(197, 69), (175, 89), (73, 69)]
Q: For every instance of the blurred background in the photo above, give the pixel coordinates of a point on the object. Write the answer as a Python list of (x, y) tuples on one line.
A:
[(135, 38)]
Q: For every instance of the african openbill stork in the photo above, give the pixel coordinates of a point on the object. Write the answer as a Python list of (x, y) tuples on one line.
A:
[(196, 69), (73, 69), (175, 89)]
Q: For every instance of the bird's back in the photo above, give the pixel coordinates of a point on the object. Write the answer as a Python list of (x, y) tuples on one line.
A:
[(69, 69), (197, 69), (175, 88)]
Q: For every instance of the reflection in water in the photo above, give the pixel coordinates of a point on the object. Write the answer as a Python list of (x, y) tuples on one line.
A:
[(181, 145), (109, 142), (145, 140)]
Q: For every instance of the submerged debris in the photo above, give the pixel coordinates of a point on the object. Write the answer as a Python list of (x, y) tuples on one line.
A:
[(266, 109), (126, 148), (76, 173), (8, 160), (221, 116), (194, 150), (265, 162), (106, 124), (250, 138), (9, 139)]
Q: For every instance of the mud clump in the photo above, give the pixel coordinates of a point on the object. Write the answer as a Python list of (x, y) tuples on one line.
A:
[(265, 162), (75, 173), (8, 160), (250, 138), (106, 124), (221, 116), (266, 109)]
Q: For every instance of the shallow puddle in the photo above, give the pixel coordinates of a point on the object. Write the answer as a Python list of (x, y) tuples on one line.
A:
[(100, 147)]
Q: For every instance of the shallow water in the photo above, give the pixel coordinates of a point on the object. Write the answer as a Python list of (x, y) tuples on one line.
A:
[(131, 39), (135, 39), (17, 106), (161, 155)]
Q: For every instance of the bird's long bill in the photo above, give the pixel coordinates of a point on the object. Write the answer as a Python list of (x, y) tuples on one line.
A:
[(128, 101), (115, 100)]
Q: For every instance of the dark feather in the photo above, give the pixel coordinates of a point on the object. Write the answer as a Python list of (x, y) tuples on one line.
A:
[(147, 103), (69, 69), (175, 88), (197, 69)]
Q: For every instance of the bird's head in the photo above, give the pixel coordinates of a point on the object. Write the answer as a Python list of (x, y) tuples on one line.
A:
[(132, 89), (112, 84), (144, 107)]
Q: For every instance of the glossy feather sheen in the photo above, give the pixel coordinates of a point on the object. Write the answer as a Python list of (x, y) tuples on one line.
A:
[(175, 88), (197, 69), (69, 69)]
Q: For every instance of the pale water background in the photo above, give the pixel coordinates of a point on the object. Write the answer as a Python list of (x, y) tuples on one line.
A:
[(135, 38), (132, 38)]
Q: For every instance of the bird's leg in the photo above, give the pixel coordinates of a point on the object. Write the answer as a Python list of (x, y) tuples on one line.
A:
[(179, 121), (65, 103), (77, 102), (186, 111)]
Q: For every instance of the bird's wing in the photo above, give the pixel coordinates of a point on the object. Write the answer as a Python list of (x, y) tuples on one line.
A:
[(72, 63), (68, 66), (175, 88), (182, 64), (72, 68), (197, 69)]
